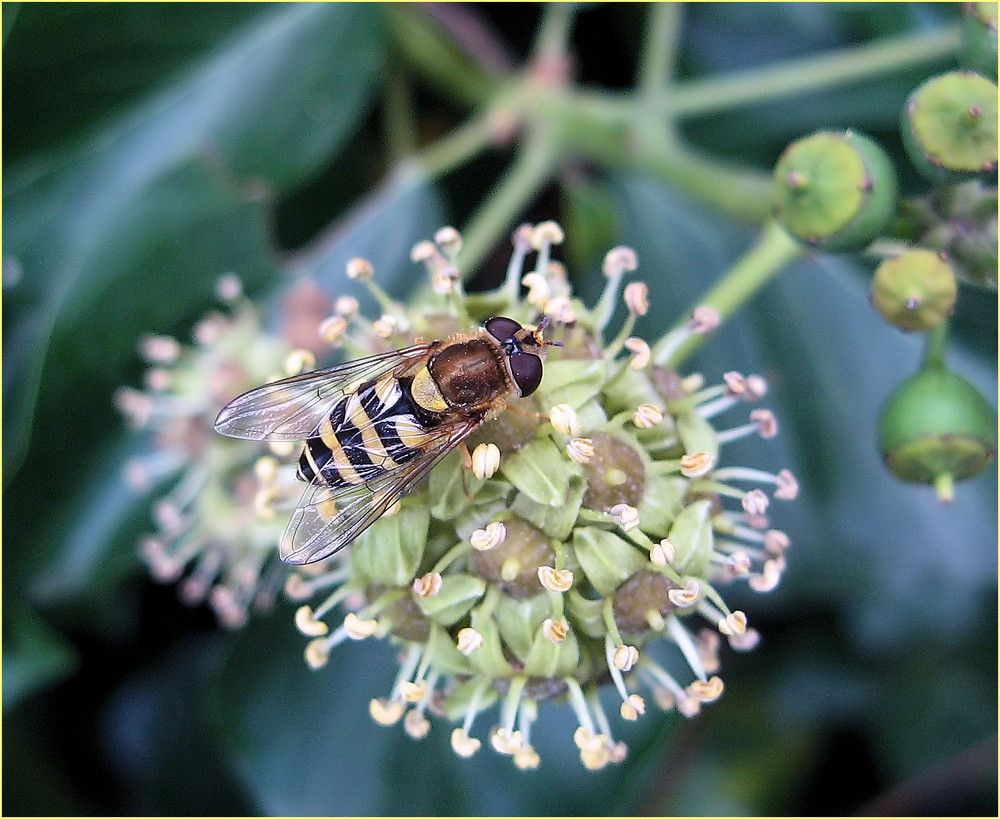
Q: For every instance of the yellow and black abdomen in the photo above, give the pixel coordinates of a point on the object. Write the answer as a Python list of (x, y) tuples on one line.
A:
[(367, 433)]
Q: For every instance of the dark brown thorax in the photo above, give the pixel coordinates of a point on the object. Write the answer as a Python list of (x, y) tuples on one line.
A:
[(470, 374)]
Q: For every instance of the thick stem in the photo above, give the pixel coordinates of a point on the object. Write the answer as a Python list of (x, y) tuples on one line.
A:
[(434, 55), (400, 121), (809, 74), (937, 342), (765, 259), (458, 147), (659, 56), (507, 200), (738, 191), (554, 30)]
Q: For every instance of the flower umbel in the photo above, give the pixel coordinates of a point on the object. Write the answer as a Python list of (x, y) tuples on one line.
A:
[(581, 528)]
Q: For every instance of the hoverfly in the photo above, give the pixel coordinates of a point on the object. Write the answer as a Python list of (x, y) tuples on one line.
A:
[(375, 426)]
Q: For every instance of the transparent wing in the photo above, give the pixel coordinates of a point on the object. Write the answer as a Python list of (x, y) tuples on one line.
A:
[(291, 409), (327, 519)]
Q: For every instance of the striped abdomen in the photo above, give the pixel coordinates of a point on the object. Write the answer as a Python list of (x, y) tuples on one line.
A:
[(369, 432)]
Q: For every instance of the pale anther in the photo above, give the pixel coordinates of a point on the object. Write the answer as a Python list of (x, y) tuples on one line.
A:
[(580, 450), (428, 585), (557, 580), (358, 629), (469, 640), (358, 268), (493, 535), (696, 464), (637, 298), (619, 260), (306, 622), (564, 419), (485, 461), (624, 657)]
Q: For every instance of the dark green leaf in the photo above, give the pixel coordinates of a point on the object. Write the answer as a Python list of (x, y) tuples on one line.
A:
[(34, 656)]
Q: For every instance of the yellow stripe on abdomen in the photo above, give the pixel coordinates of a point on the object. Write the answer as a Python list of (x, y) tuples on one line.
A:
[(337, 455), (374, 448), (411, 434)]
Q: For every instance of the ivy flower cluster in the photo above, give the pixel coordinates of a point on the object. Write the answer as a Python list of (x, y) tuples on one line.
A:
[(581, 539)]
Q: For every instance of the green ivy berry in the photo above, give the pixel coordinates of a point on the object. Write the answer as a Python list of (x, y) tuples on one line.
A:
[(914, 291), (979, 38), (834, 189), (950, 126), (937, 429)]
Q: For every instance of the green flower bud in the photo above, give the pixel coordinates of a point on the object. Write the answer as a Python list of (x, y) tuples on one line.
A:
[(406, 618), (548, 659), (540, 471), (835, 190), (389, 552), (605, 558), (443, 653), (457, 595), (950, 126), (979, 38), (692, 538), (556, 521), (914, 291), (519, 621), (937, 428)]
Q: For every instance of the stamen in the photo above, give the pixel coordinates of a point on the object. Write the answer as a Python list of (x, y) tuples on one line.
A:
[(580, 450), (493, 535), (386, 712), (557, 580), (521, 239), (565, 419), (428, 585), (555, 630), (469, 640), (640, 353), (485, 461), (307, 623)]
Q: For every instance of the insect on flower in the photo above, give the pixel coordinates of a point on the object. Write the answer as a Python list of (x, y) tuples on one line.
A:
[(375, 426)]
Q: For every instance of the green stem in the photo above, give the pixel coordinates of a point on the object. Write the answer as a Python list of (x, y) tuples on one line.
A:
[(809, 74), (400, 123), (434, 55), (516, 189), (659, 54), (937, 342), (458, 147), (768, 256), (738, 191), (553, 35)]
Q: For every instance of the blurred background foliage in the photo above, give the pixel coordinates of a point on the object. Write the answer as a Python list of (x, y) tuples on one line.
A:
[(151, 148)]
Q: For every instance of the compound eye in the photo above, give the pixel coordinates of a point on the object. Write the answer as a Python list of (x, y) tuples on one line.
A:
[(502, 328), (527, 371)]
